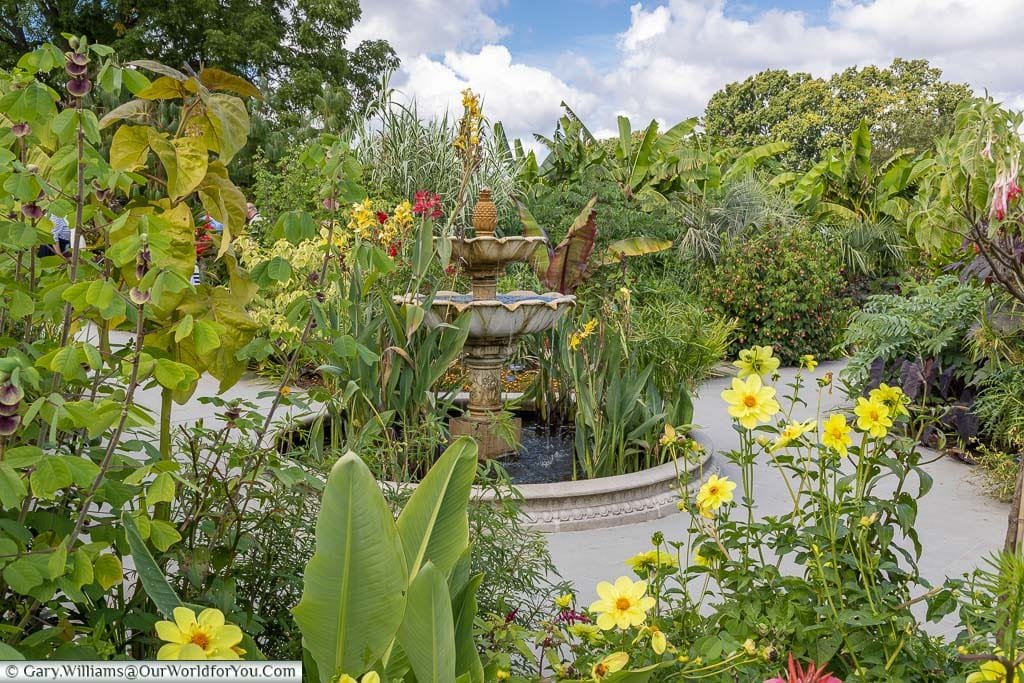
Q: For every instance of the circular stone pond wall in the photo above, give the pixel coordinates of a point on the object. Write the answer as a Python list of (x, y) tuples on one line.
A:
[(611, 501)]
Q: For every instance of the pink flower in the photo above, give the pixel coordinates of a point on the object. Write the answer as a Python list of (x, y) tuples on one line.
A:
[(1004, 190), (797, 674)]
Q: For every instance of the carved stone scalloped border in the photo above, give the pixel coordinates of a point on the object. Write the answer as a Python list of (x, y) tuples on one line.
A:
[(609, 501)]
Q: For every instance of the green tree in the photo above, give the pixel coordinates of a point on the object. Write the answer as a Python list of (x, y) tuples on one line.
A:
[(295, 46), (906, 104)]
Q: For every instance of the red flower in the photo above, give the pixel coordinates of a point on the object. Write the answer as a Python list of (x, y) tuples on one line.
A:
[(382, 217), (427, 204), (393, 250), (797, 674)]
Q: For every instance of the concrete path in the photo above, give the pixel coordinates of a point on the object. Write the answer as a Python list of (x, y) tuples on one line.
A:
[(958, 524)]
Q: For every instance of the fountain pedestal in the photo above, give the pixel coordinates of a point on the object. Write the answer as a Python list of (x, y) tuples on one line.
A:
[(484, 361)]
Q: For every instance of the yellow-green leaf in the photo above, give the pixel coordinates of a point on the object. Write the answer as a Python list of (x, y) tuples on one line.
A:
[(130, 148), (108, 571), (161, 490), (215, 79)]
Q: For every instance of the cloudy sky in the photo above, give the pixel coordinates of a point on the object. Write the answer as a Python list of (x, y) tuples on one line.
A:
[(663, 59)]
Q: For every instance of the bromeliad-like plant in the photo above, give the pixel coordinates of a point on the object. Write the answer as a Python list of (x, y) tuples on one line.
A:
[(565, 267), (393, 596)]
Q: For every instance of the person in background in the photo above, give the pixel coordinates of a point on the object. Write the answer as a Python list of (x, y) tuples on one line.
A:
[(62, 236), (252, 214)]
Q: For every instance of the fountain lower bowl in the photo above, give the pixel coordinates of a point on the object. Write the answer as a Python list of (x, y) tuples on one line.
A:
[(504, 317)]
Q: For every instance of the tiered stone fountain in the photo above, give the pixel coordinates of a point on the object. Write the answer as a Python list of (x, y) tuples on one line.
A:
[(496, 321)]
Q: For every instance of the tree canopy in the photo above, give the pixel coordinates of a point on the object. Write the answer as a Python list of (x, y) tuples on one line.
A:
[(295, 46), (906, 104)]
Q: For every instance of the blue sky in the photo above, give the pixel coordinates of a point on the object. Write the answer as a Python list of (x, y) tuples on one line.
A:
[(663, 59)]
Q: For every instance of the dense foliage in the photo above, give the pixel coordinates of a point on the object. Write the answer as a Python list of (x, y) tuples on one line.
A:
[(907, 103)]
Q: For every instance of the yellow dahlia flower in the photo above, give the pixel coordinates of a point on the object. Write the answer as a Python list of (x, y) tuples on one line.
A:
[(750, 402), (757, 360), (715, 492), (609, 665), (835, 434), (872, 417), (622, 604), (207, 637)]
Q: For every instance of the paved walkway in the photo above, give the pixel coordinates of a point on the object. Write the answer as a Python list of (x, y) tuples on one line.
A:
[(958, 524)]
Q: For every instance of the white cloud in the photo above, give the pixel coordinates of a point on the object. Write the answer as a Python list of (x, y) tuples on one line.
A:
[(524, 98), (415, 27), (676, 55), (673, 55)]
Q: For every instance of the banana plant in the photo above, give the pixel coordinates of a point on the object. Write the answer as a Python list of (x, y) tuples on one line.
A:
[(393, 596), (566, 266), (573, 151), (644, 171), (846, 186)]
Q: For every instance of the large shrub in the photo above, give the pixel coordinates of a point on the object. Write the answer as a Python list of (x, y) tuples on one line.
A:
[(783, 287)]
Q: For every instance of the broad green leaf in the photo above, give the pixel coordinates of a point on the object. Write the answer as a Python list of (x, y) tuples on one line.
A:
[(82, 571), (414, 316), (205, 337), (634, 246), (571, 258), (225, 123), (12, 488), (152, 578), (9, 654), (353, 598), (464, 607), (49, 476), (108, 571), (183, 330), (136, 111), (57, 562), (427, 633), (434, 526), (84, 471), (167, 88), (157, 67), (192, 160), (22, 575)]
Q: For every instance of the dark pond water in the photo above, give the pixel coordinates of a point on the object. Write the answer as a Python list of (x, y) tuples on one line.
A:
[(542, 458)]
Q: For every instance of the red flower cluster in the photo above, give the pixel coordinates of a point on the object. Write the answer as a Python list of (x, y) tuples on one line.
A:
[(382, 217), (427, 204)]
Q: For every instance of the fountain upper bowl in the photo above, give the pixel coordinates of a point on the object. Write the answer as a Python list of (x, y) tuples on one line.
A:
[(491, 251)]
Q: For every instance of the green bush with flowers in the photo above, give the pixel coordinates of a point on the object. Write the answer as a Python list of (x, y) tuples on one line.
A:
[(784, 288)]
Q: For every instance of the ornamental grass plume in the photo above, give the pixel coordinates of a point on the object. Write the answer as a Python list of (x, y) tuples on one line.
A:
[(797, 674)]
